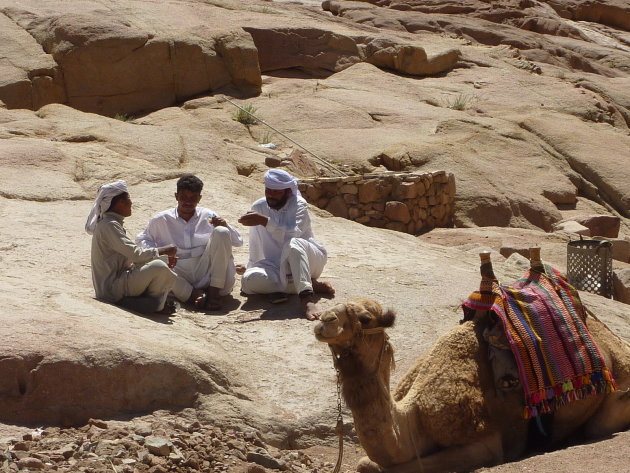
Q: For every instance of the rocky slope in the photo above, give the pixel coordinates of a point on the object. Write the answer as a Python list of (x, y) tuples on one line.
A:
[(525, 102)]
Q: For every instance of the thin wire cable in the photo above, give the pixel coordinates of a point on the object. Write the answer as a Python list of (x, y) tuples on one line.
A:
[(322, 161)]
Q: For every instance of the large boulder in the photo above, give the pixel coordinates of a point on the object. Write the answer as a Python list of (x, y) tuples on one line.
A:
[(621, 285), (29, 78), (601, 225), (112, 67), (322, 52)]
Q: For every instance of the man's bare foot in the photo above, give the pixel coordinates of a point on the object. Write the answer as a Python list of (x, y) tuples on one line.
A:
[(240, 269), (322, 287), (197, 299), (309, 305), (213, 299)]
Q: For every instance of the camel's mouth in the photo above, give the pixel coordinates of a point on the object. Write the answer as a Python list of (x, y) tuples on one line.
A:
[(326, 332)]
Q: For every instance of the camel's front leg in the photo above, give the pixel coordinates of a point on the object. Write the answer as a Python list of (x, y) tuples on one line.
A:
[(487, 451)]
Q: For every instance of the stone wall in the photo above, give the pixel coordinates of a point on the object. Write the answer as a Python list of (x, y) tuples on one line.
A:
[(406, 202)]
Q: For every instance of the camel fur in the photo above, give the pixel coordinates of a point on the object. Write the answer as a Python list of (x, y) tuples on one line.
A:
[(446, 415)]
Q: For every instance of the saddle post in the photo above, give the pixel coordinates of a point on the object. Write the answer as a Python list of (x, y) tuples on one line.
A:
[(486, 266), (535, 263)]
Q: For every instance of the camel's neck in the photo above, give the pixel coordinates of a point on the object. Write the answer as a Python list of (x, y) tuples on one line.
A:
[(381, 426)]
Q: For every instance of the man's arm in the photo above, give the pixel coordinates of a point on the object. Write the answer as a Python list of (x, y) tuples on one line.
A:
[(146, 239), (117, 239), (235, 236)]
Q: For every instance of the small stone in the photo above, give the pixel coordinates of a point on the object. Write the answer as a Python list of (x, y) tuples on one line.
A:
[(240, 455), (265, 460), (144, 430), (254, 468), (273, 161), (158, 469), (19, 454), (56, 458), (30, 462), (194, 427), (158, 445), (98, 423), (23, 446)]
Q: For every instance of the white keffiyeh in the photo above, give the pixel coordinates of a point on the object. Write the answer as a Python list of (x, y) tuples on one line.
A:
[(103, 200), (278, 179)]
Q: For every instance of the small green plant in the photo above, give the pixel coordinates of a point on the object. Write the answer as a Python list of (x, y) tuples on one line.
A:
[(245, 115), (265, 10), (123, 117), (459, 102), (266, 137)]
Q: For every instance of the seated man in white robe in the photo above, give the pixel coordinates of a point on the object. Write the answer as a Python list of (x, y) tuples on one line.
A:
[(205, 267), (122, 272), (284, 256)]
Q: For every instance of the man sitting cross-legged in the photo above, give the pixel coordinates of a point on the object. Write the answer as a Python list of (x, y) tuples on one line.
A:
[(283, 254), (122, 273), (205, 267)]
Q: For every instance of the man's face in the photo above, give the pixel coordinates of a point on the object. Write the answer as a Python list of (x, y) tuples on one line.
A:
[(187, 201), (123, 206), (276, 198)]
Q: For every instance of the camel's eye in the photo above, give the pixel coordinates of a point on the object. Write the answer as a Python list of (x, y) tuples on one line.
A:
[(365, 318)]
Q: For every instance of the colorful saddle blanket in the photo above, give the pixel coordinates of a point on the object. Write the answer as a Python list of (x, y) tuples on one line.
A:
[(543, 319)]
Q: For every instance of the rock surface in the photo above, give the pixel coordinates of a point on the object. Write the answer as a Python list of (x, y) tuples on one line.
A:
[(534, 127)]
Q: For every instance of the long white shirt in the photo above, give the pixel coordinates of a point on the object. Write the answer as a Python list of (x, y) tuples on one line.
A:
[(190, 237), (113, 255), (292, 220)]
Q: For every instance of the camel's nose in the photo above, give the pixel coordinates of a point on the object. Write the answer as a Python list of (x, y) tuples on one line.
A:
[(328, 326), (328, 317)]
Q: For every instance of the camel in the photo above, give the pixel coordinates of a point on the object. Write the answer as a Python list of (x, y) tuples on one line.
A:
[(446, 414)]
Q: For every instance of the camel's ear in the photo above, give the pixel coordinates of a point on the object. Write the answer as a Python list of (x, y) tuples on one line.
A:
[(387, 318)]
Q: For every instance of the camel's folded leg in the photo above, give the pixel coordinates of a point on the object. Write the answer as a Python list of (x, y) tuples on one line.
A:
[(486, 451), (612, 416)]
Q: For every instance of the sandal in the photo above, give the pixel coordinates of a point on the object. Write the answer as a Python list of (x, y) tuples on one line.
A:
[(278, 297), (213, 304), (198, 300)]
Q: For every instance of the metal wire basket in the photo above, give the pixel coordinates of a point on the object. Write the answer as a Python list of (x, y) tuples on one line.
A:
[(589, 266)]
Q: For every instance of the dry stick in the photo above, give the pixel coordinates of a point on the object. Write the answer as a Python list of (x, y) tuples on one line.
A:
[(322, 161)]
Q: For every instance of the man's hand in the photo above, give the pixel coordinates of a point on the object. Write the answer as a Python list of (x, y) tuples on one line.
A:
[(251, 219), (171, 252), (217, 221)]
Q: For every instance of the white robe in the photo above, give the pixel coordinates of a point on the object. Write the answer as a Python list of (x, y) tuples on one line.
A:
[(269, 245), (198, 258)]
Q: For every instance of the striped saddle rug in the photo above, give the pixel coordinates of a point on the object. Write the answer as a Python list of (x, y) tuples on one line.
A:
[(544, 323)]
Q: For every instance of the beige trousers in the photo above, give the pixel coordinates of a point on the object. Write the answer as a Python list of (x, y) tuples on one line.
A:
[(153, 279), (215, 267)]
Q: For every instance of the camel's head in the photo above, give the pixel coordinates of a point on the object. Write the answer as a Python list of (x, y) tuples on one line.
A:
[(341, 324)]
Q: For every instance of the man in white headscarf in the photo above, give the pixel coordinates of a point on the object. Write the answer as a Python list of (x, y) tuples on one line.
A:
[(123, 273), (284, 257)]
